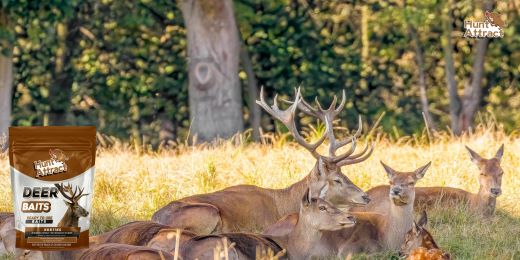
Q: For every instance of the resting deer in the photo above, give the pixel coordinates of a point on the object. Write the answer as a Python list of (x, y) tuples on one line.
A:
[(483, 202), (74, 211), (121, 251), (375, 232), (7, 233), (316, 215), (250, 208), (420, 245), (144, 233)]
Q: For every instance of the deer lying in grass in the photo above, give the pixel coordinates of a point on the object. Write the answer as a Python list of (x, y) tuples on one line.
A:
[(315, 217), (250, 208), (483, 202), (144, 233), (7, 233), (75, 211), (373, 232), (121, 251), (376, 232), (420, 245)]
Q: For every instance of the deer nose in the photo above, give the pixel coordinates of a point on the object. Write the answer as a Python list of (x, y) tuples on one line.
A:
[(396, 191), (366, 198), (496, 191)]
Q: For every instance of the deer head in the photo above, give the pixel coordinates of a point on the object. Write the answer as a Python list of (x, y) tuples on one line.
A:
[(418, 237), (75, 211), (490, 178), (57, 154), (326, 175), (402, 184), (323, 216)]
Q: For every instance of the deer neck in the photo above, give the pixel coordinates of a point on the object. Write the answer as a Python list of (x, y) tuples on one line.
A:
[(288, 200), (483, 202), (69, 219), (399, 221), (303, 239)]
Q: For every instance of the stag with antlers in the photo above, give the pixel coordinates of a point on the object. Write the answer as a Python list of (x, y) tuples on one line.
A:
[(74, 211), (250, 208)]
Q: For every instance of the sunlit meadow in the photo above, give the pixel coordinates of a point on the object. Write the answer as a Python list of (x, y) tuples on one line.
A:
[(131, 185)]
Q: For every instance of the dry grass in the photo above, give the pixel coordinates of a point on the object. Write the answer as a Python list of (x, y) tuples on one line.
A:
[(131, 186)]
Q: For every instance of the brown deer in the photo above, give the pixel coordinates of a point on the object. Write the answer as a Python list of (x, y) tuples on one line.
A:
[(483, 202), (74, 211), (376, 232), (315, 217), (7, 233), (144, 233), (121, 251), (249, 208), (420, 245), (373, 232)]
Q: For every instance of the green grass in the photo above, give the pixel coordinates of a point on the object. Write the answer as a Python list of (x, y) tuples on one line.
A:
[(131, 186)]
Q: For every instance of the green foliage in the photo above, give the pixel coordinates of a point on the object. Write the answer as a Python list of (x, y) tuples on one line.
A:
[(129, 67)]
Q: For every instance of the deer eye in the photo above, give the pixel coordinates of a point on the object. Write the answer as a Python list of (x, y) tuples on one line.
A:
[(322, 208), (337, 181), (411, 183)]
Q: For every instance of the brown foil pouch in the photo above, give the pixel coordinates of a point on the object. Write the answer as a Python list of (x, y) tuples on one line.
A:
[(52, 176)]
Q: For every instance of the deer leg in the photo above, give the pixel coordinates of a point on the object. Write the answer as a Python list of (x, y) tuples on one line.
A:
[(199, 218)]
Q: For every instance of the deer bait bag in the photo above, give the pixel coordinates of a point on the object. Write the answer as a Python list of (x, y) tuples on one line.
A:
[(52, 176)]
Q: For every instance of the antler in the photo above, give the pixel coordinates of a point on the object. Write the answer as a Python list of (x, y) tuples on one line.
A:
[(64, 190), (72, 196), (287, 117), (327, 116), (78, 196)]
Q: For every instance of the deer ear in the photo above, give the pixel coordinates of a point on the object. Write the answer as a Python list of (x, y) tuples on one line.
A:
[(322, 168), (419, 173), (306, 200), (415, 228), (68, 203), (475, 158), (500, 152), (423, 219), (391, 172)]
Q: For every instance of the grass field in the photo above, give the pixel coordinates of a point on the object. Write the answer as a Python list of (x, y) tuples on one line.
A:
[(131, 186)]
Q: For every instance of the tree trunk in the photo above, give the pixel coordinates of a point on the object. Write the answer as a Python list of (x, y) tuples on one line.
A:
[(451, 83), (60, 91), (365, 45), (422, 78), (473, 90), (6, 85), (215, 97), (252, 88)]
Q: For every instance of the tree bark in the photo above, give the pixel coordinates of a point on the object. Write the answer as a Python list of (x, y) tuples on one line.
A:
[(451, 83), (419, 55), (6, 86), (215, 97), (60, 91), (365, 45), (473, 90), (252, 89)]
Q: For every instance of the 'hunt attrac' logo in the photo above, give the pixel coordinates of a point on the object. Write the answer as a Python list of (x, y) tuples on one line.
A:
[(492, 27), (56, 164)]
